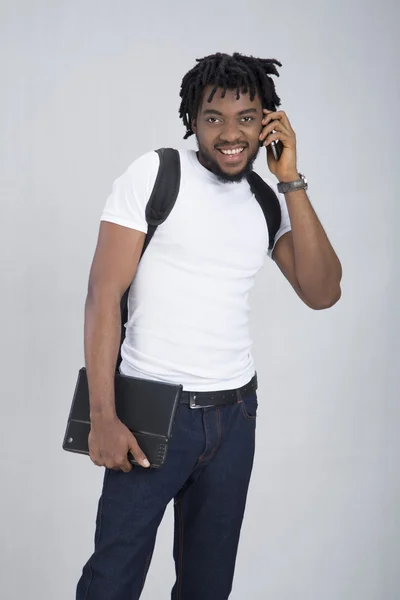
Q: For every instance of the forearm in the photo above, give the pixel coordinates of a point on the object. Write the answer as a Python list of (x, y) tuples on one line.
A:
[(318, 269), (102, 340)]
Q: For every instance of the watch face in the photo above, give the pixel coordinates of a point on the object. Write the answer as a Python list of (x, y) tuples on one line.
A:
[(303, 178)]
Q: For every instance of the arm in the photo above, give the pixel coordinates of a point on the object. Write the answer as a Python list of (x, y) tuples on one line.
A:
[(305, 255), (114, 266)]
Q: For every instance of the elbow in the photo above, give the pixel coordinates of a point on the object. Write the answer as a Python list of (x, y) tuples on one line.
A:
[(328, 301)]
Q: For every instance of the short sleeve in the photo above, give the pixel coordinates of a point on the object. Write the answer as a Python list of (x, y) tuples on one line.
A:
[(130, 193), (285, 221)]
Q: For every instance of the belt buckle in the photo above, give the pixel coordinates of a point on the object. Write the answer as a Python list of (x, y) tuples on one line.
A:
[(192, 401)]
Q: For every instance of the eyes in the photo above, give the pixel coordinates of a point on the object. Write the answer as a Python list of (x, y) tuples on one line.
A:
[(213, 120)]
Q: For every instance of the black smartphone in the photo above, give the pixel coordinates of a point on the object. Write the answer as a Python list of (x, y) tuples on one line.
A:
[(277, 149)]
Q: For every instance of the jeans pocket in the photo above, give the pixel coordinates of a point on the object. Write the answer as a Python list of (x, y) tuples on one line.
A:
[(249, 406)]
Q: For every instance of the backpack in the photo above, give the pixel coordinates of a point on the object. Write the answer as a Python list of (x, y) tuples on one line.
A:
[(163, 198)]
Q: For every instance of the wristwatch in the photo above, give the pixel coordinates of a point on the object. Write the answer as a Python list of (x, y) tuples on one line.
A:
[(292, 186)]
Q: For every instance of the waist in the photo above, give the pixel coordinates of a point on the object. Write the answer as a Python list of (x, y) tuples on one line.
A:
[(194, 369), (208, 399)]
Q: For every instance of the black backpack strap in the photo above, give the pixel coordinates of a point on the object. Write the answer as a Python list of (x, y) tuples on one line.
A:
[(165, 191), (160, 204), (269, 203)]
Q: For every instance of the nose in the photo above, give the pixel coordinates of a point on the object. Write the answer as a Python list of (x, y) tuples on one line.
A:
[(231, 132)]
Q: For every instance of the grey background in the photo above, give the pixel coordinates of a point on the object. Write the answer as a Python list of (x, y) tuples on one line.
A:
[(86, 88)]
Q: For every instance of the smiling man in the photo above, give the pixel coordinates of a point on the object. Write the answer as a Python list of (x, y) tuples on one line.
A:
[(227, 131), (188, 323)]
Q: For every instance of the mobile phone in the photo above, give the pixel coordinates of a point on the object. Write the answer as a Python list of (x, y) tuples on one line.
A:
[(277, 148)]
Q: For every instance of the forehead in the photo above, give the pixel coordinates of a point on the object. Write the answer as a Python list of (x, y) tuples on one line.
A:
[(230, 103)]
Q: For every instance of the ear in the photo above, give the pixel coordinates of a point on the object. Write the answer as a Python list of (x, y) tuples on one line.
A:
[(194, 126)]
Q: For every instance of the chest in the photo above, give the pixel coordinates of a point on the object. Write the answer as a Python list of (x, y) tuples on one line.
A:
[(214, 229)]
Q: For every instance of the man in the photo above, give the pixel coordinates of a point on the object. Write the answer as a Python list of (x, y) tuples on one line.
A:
[(188, 324)]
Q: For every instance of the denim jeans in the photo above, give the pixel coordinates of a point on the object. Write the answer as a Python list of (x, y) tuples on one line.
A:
[(207, 474)]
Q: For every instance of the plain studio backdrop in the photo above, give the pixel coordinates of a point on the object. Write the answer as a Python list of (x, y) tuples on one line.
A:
[(89, 86)]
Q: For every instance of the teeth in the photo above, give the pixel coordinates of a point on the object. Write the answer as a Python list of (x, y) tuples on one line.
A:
[(236, 151)]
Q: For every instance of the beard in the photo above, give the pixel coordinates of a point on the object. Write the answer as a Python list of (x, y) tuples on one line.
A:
[(213, 166)]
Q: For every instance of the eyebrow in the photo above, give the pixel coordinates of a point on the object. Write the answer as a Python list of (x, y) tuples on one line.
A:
[(246, 111)]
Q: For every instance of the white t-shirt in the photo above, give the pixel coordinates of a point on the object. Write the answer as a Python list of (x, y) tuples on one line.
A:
[(189, 302)]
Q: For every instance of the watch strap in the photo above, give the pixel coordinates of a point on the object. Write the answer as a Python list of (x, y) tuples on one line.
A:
[(293, 186)]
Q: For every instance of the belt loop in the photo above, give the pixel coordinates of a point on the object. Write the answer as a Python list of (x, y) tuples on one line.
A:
[(238, 397)]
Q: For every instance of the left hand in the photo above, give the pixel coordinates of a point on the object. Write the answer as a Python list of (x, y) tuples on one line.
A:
[(284, 169)]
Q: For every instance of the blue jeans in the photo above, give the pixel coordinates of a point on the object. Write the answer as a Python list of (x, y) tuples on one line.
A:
[(207, 473)]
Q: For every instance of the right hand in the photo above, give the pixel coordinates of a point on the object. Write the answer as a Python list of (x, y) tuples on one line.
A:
[(109, 443)]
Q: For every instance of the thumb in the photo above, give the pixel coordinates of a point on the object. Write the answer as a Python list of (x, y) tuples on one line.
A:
[(138, 453)]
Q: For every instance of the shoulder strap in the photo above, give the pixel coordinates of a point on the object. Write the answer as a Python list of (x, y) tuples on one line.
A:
[(269, 203), (165, 191), (160, 204)]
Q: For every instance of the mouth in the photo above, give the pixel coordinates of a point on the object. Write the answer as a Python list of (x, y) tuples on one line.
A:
[(233, 155)]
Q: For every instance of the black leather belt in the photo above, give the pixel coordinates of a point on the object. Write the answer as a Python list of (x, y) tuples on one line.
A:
[(208, 399)]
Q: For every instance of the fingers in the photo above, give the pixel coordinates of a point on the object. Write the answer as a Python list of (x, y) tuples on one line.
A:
[(275, 122), (274, 127), (280, 116), (115, 463), (274, 137), (115, 456), (126, 466), (95, 457)]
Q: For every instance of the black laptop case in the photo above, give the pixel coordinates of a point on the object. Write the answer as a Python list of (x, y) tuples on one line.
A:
[(146, 407)]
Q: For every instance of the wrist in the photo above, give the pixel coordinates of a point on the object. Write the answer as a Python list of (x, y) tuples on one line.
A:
[(103, 415), (289, 177)]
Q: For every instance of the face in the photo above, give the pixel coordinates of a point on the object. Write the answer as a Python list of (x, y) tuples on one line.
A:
[(227, 132)]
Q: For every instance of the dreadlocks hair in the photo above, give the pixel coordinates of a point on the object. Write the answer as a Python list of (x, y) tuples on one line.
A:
[(229, 72)]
